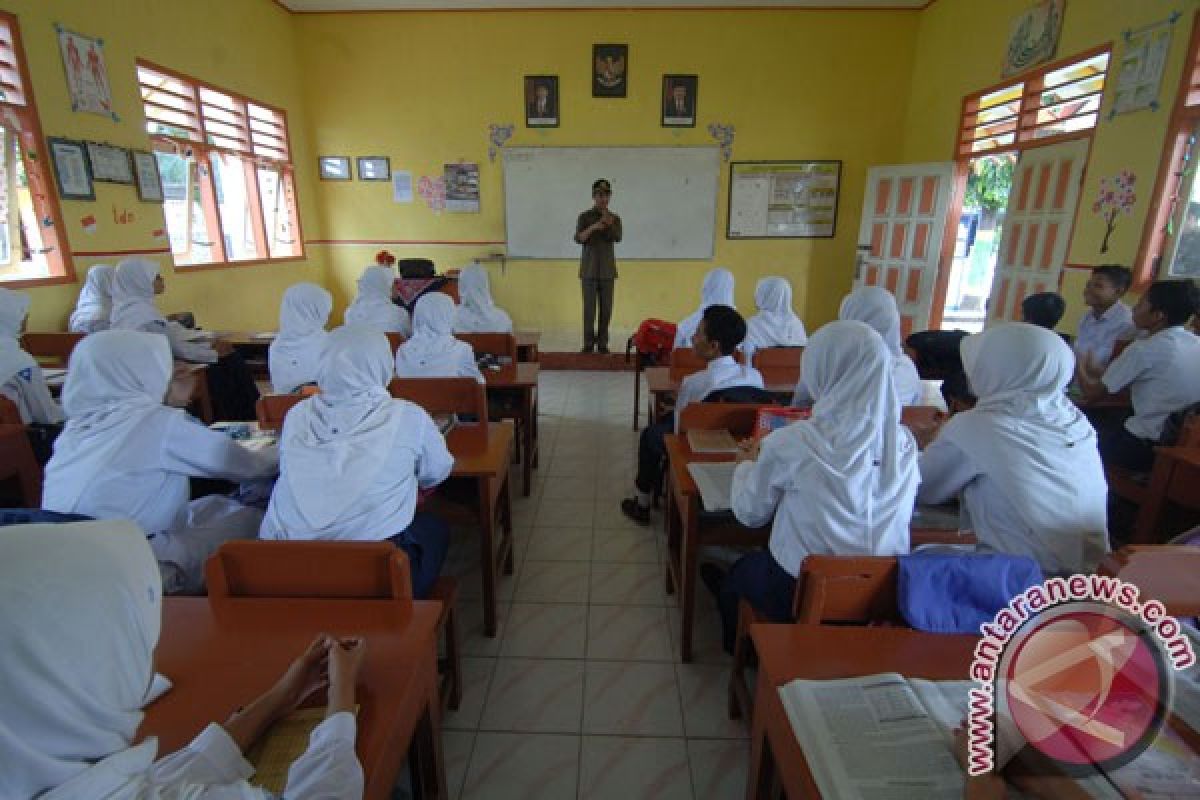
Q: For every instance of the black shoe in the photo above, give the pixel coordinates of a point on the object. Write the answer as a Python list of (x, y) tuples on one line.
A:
[(635, 511), (713, 577), (603, 350), (585, 349)]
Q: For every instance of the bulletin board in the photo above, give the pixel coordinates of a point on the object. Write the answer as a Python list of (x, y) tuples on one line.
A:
[(783, 199)]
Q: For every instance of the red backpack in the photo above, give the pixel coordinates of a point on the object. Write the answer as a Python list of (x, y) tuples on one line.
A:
[(654, 340)]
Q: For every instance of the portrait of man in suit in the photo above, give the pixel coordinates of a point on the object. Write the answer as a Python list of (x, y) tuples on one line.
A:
[(541, 101), (679, 101)]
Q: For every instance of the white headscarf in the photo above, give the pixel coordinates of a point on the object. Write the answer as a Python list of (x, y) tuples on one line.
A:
[(82, 611), (295, 356), (478, 313), (335, 442), (1028, 437), (775, 324), (133, 294), (717, 290), (115, 380), (14, 307), (877, 308), (373, 307), (431, 350), (94, 306)]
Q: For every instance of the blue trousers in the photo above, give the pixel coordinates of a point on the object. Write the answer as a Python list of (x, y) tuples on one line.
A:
[(425, 542), (766, 586)]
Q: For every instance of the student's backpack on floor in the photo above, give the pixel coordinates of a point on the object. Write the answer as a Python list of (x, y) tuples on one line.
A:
[(654, 340)]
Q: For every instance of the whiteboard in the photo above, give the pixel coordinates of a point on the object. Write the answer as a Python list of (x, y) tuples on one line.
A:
[(666, 198)]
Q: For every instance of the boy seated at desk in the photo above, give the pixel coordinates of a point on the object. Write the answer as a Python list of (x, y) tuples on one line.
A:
[(720, 332), (83, 611), (842, 482), (1109, 320), (1161, 371)]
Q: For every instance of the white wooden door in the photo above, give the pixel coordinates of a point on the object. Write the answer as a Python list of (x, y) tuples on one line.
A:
[(900, 237), (1037, 225)]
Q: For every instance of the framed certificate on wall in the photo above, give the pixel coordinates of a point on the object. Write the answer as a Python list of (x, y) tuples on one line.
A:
[(783, 199)]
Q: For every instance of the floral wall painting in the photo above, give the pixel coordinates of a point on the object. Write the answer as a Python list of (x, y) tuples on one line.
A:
[(1115, 199), (498, 136), (433, 192), (87, 75), (1034, 36)]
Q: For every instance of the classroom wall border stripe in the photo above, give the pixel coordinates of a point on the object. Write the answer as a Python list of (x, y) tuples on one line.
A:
[(155, 251), (453, 242)]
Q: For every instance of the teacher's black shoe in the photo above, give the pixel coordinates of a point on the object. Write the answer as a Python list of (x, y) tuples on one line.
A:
[(636, 512), (602, 350), (585, 349)]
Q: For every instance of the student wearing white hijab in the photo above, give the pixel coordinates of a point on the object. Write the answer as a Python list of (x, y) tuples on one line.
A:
[(294, 358), (125, 455), (478, 312), (775, 324), (82, 615), (1025, 458), (353, 458), (717, 290), (94, 307), (373, 307), (433, 352), (135, 283), (840, 483), (877, 308), (21, 379)]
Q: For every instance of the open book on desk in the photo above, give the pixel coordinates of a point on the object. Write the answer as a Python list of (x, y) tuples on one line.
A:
[(714, 479), (711, 442)]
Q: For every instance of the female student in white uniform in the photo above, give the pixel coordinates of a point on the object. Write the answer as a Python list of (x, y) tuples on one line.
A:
[(433, 352), (125, 455), (353, 457), (373, 307), (775, 324), (478, 312), (294, 358), (717, 290), (82, 614), (135, 283), (21, 379), (841, 483), (877, 308), (1025, 458), (93, 310)]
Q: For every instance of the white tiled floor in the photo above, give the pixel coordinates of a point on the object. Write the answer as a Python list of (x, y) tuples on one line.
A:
[(581, 694)]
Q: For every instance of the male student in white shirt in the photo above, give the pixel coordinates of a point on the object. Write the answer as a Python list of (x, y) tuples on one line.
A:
[(720, 332), (1162, 372), (1109, 320)]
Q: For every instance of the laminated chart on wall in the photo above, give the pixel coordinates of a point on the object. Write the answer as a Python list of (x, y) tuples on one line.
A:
[(783, 199)]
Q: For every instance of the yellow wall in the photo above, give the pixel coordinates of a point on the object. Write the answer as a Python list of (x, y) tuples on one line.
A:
[(960, 44), (243, 45), (423, 87)]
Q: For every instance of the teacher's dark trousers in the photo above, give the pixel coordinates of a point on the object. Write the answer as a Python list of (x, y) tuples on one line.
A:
[(597, 296)]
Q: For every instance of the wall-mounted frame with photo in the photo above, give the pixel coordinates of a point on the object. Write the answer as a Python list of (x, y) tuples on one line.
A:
[(147, 179), (610, 70), (679, 99), (334, 168), (72, 172), (110, 163), (374, 168), (541, 101)]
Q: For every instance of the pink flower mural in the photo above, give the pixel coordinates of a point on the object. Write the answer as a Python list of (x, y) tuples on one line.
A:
[(1116, 198)]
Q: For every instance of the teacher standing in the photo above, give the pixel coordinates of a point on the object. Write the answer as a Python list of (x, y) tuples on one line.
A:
[(597, 229)]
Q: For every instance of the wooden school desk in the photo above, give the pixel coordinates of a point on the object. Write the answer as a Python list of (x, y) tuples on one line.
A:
[(689, 529), (489, 469), (660, 385), (522, 378), (527, 345), (222, 655), (823, 652), (1167, 573)]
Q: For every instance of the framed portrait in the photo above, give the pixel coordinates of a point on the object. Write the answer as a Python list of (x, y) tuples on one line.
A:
[(541, 101), (147, 180), (109, 163), (374, 168), (679, 101), (610, 70), (72, 171), (334, 168)]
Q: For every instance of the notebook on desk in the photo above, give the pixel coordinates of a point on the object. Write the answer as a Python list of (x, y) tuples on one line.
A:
[(711, 442), (282, 744), (715, 482)]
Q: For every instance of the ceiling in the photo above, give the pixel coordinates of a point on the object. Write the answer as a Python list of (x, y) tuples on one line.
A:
[(304, 6)]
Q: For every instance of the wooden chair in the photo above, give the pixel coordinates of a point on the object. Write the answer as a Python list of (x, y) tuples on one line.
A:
[(272, 408), (684, 362), (17, 463), (737, 418), (51, 348), (395, 340), (1144, 491), (1173, 482), (500, 345), (9, 413), (333, 571), (778, 358), (458, 396), (1169, 573), (831, 589)]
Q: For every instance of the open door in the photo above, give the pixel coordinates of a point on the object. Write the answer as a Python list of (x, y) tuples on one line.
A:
[(900, 237), (1037, 229)]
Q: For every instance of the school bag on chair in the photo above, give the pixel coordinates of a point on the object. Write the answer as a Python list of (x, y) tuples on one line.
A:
[(653, 341)]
